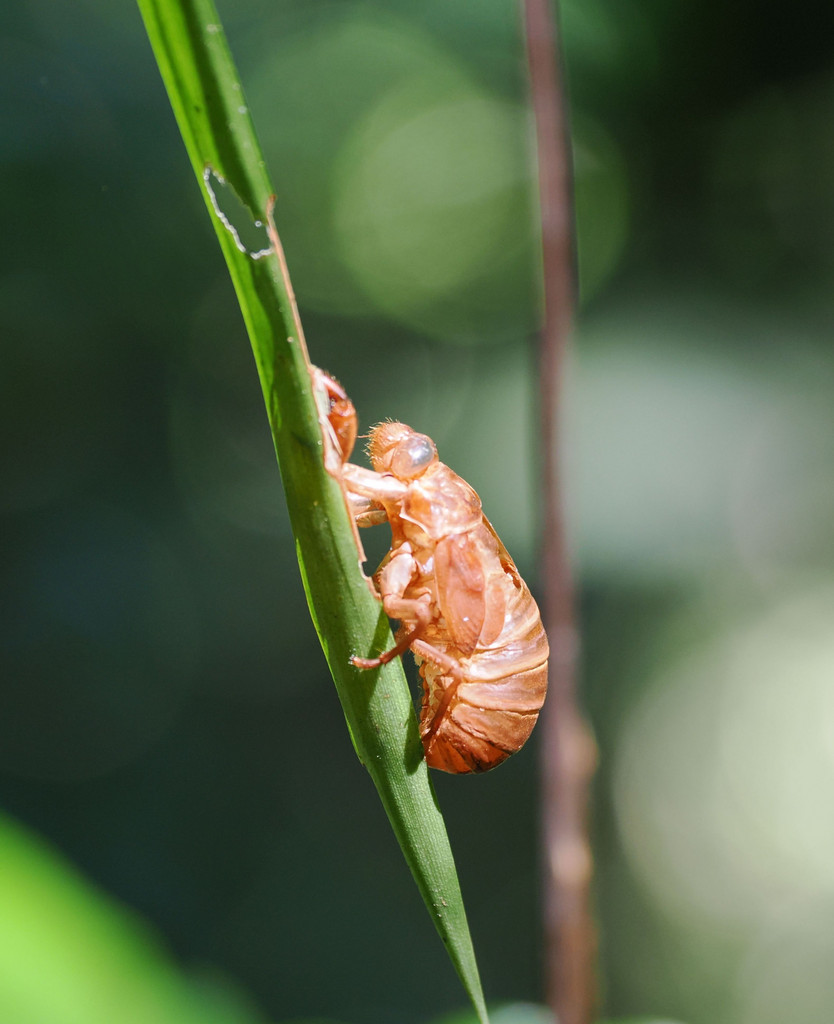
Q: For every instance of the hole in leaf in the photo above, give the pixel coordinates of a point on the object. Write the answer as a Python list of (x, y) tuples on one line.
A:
[(250, 234)]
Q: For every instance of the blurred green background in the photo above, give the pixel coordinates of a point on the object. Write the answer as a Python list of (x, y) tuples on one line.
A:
[(187, 835)]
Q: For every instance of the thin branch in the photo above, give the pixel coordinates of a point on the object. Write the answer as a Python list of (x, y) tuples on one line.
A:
[(569, 752)]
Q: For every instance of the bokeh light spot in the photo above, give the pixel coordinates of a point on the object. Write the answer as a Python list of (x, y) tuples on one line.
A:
[(725, 772), (432, 197)]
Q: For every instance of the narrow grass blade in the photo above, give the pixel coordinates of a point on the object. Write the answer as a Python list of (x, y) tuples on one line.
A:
[(209, 104)]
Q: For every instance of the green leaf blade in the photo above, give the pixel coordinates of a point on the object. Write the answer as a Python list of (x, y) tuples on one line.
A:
[(211, 110)]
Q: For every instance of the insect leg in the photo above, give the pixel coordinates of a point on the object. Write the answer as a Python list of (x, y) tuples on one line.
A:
[(365, 511), (415, 613), (372, 517), (411, 610), (377, 487), (337, 419), (450, 665)]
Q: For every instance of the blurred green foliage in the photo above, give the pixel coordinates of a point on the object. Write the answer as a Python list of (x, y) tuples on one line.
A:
[(68, 955), (167, 722)]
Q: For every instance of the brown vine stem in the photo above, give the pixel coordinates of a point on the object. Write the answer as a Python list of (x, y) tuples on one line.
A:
[(569, 752)]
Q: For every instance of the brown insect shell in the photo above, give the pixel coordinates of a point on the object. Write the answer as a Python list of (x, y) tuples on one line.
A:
[(338, 423), (437, 500), (441, 503), (337, 418), (486, 682)]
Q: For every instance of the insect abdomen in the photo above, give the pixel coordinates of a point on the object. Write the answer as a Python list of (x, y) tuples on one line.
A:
[(474, 737), (473, 723)]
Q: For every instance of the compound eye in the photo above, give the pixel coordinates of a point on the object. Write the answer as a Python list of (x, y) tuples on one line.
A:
[(413, 456)]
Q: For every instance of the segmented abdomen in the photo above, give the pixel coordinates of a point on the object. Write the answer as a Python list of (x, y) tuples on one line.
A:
[(473, 721)]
